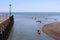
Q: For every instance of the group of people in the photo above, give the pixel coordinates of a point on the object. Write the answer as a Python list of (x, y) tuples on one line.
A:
[(39, 20)]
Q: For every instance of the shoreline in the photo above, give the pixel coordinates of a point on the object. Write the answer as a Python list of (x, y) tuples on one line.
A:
[(52, 30)]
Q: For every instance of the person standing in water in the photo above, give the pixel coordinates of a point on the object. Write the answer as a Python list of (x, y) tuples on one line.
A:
[(38, 31)]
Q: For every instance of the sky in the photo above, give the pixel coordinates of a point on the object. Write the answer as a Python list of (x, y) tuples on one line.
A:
[(30, 5)]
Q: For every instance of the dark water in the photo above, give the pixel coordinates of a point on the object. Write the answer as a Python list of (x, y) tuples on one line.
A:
[(25, 27)]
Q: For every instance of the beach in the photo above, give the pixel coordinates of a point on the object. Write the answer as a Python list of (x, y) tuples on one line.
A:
[(29, 19), (53, 30)]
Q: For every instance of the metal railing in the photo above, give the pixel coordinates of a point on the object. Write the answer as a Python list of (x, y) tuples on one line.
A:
[(4, 15)]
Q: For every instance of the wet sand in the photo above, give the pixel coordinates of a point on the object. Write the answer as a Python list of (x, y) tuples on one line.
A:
[(52, 30)]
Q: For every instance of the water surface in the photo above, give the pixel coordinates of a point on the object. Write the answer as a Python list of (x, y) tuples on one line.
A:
[(25, 28)]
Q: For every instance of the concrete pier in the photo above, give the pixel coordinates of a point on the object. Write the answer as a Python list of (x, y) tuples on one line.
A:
[(5, 27)]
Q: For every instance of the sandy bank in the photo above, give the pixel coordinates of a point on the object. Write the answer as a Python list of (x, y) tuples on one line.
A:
[(52, 30)]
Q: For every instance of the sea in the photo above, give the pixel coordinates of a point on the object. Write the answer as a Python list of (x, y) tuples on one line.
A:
[(25, 25)]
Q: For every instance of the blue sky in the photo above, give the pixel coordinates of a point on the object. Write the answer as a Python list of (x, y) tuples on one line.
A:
[(30, 5)]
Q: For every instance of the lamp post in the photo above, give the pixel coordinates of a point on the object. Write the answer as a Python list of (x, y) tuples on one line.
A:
[(10, 9)]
